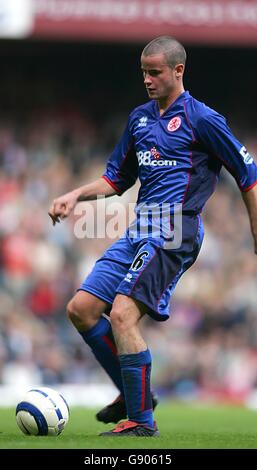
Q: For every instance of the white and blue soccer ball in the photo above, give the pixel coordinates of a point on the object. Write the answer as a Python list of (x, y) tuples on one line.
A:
[(42, 412)]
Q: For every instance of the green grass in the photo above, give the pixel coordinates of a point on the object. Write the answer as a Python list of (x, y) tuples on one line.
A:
[(182, 426)]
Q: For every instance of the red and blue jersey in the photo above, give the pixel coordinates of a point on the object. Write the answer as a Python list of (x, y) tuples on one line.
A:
[(178, 155)]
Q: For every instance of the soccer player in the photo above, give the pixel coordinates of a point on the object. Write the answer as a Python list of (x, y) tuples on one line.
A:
[(176, 146)]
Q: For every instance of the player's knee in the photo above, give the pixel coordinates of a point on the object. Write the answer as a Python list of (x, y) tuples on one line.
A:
[(79, 315), (119, 320), (84, 311), (73, 312)]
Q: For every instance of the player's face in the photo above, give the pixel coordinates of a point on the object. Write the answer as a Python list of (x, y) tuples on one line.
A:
[(159, 78)]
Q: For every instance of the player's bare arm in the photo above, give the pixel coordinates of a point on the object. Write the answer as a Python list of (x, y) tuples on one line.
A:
[(63, 205), (250, 200)]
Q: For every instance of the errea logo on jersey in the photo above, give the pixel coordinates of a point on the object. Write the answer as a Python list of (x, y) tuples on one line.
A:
[(248, 159), (143, 121), (146, 159)]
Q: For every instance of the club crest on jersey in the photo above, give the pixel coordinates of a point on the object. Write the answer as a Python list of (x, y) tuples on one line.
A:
[(174, 124), (155, 153)]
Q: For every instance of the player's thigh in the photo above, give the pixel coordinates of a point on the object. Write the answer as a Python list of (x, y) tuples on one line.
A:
[(109, 271), (155, 270)]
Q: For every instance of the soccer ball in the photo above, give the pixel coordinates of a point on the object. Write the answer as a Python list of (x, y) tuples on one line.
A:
[(42, 412)]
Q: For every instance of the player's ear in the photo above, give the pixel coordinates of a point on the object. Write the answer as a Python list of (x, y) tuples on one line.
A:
[(179, 70)]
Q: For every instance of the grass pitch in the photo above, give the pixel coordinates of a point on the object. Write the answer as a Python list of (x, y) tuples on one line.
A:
[(182, 426)]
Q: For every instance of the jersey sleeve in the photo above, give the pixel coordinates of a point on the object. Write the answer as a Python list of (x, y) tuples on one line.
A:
[(122, 167), (213, 131)]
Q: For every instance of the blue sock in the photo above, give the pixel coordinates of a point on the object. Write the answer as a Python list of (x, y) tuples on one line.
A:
[(136, 372), (101, 341)]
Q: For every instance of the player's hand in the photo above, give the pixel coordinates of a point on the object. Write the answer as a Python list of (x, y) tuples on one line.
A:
[(62, 207)]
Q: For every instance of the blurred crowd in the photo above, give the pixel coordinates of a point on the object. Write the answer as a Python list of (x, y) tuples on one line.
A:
[(208, 348)]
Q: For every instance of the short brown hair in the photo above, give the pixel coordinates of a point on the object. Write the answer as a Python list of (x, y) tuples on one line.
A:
[(173, 51)]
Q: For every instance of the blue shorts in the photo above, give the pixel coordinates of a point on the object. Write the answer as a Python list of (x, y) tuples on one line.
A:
[(144, 270)]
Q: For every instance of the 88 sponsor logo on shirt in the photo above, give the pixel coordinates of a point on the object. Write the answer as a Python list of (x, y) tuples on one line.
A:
[(146, 159)]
